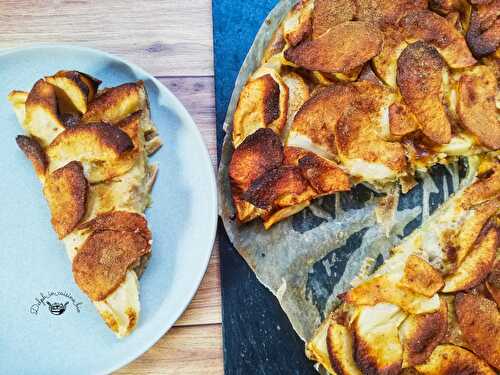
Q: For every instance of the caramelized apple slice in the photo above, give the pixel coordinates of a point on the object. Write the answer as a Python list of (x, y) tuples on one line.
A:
[(419, 77), (340, 350), (42, 118), (385, 13), (483, 35), (263, 103), (477, 264), (420, 277), (476, 107), (451, 359), (74, 90), (66, 191), (479, 321), (34, 153), (104, 150), (297, 25), (343, 48), (433, 29)]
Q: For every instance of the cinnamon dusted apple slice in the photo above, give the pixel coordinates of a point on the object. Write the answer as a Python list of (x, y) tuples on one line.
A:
[(340, 50), (484, 189), (101, 264), (74, 90), (386, 62), (477, 264), (479, 320), (103, 150), (420, 334), (420, 277), (327, 14), (451, 359), (41, 114), (385, 13), (419, 77), (263, 103), (401, 120), (377, 348), (34, 153), (297, 25), (66, 191), (476, 106), (340, 350), (493, 282), (433, 29)]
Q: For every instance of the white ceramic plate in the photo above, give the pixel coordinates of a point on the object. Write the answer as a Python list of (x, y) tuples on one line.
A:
[(183, 219)]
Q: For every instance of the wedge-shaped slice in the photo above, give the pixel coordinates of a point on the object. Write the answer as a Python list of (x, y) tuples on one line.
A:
[(102, 149), (66, 191), (476, 105), (42, 118), (340, 350), (298, 94), (483, 35), (436, 30), (297, 26), (34, 152), (313, 127), (479, 321), (451, 359), (263, 103), (477, 264), (18, 101), (377, 349), (343, 48), (386, 62), (385, 13), (383, 289), (420, 334), (74, 90), (419, 78), (281, 187), (116, 103), (322, 174), (327, 14), (420, 277)]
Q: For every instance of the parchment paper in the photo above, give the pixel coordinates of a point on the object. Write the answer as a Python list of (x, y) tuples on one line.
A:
[(308, 259)]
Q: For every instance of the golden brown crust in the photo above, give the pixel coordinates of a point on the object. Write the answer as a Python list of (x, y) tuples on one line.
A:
[(101, 264), (263, 103), (340, 350), (327, 14), (419, 78), (435, 30), (476, 106), (420, 334), (493, 283), (282, 186), (342, 49), (119, 221), (259, 153), (420, 277), (453, 360), (486, 188), (483, 35), (479, 321), (66, 191), (322, 174), (116, 103), (34, 152)]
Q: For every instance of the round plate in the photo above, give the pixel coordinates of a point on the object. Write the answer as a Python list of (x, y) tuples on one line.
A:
[(71, 337)]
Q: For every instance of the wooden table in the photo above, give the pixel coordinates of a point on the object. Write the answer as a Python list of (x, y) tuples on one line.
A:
[(171, 39)]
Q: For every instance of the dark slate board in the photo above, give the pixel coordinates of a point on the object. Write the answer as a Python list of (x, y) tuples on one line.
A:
[(258, 338)]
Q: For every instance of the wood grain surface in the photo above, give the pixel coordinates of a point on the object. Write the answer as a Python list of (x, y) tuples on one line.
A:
[(171, 39)]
